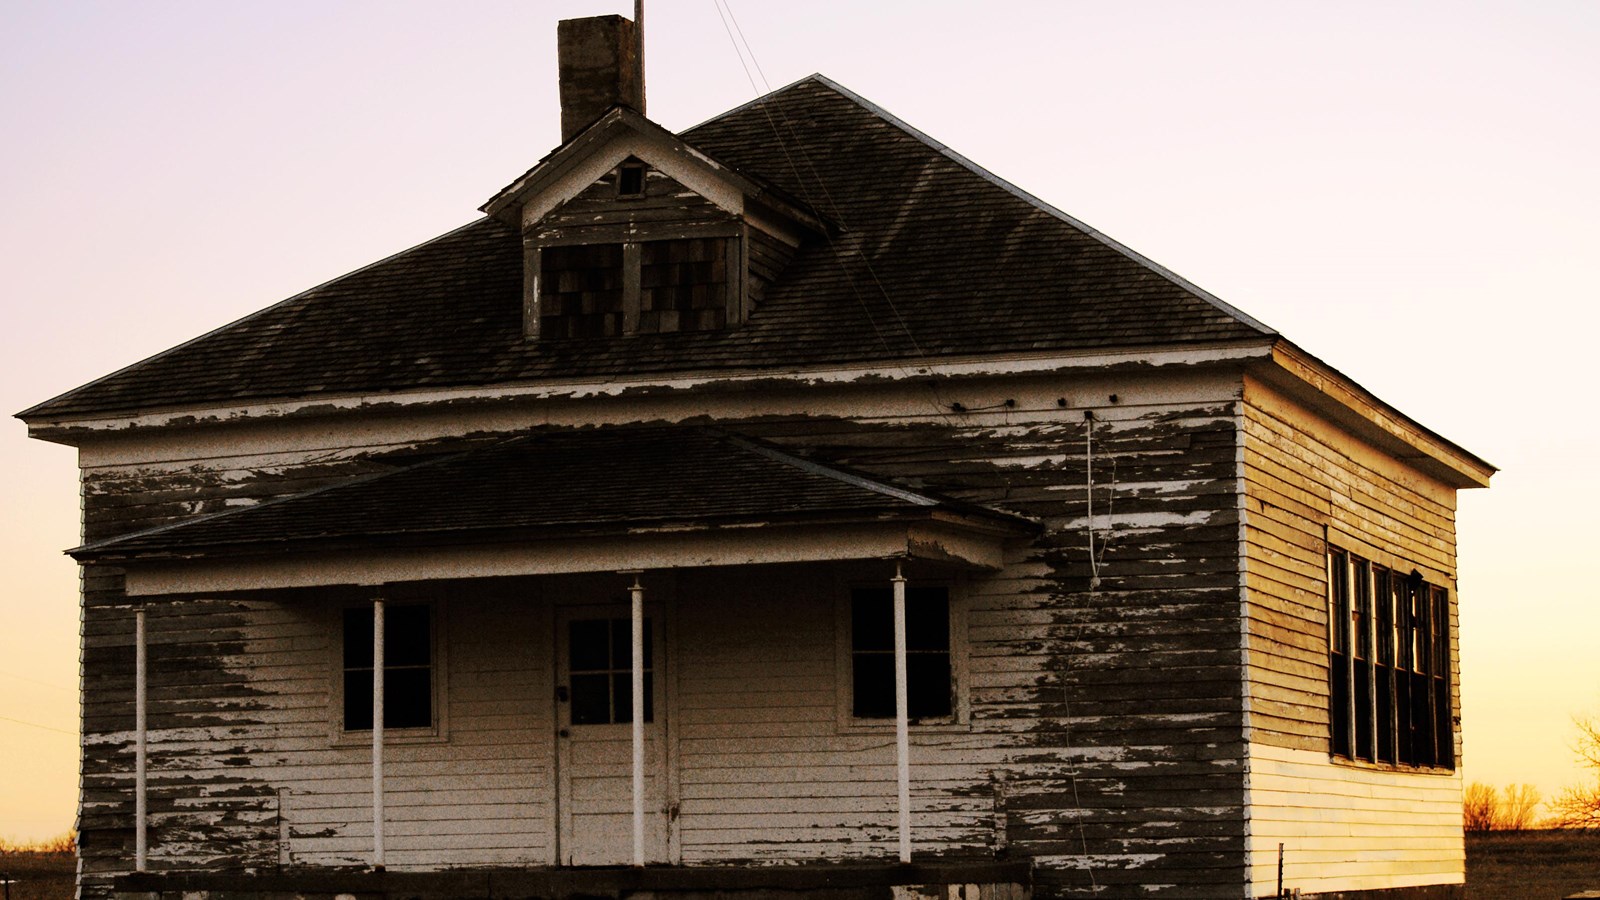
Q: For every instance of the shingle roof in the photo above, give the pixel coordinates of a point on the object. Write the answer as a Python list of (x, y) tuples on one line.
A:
[(934, 258), (570, 482)]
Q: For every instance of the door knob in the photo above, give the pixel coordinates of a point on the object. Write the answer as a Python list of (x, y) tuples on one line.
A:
[(564, 733)]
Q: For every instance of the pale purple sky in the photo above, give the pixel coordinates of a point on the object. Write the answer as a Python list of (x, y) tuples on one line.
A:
[(1410, 191)]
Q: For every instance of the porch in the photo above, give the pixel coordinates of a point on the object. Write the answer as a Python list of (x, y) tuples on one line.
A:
[(677, 693)]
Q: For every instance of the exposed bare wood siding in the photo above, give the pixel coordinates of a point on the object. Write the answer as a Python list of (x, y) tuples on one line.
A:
[(1308, 484), (247, 769), (666, 206), (1118, 708)]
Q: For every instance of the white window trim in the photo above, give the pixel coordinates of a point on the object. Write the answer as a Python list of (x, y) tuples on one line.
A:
[(439, 732), (846, 722)]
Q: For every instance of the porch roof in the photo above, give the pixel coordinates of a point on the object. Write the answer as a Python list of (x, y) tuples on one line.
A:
[(552, 500)]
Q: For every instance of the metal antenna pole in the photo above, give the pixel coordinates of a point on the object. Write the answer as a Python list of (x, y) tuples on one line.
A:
[(638, 38)]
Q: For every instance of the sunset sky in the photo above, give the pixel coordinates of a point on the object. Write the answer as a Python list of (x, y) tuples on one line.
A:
[(1410, 191)]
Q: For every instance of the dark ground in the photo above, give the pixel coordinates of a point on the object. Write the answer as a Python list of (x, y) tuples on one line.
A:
[(1501, 865), (1532, 865), (38, 876)]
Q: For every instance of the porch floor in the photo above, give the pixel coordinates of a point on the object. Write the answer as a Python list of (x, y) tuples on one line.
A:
[(953, 880)]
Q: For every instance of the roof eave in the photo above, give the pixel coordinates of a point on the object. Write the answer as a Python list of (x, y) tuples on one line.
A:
[(75, 429), (1339, 398), (977, 521)]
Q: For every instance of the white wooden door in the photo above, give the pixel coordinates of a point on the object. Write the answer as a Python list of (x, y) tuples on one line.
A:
[(595, 736)]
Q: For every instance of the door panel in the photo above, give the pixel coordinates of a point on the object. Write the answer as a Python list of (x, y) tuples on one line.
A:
[(595, 737)]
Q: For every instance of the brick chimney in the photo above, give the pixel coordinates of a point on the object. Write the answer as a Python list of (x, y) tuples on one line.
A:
[(599, 60)]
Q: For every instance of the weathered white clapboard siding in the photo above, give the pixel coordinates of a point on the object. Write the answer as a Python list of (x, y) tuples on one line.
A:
[(1355, 828), (1119, 708), (769, 771), (242, 745), (1105, 732), (1344, 826)]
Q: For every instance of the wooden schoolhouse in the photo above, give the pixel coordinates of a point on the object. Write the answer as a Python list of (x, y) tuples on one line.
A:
[(783, 505)]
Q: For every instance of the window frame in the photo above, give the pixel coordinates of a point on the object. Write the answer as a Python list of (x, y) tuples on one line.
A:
[(1392, 706), (439, 731), (631, 236), (619, 618), (636, 168), (847, 722)]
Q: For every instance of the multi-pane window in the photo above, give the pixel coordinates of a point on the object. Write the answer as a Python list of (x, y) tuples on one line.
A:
[(929, 684), (683, 285), (408, 663), (600, 664), (581, 291), (638, 287), (1389, 665)]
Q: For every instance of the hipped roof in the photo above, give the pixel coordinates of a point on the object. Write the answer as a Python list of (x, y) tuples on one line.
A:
[(561, 484), (934, 258)]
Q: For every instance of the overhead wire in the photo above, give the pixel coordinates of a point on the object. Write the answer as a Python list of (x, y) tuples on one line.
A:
[(822, 185), (37, 725), (48, 684), (725, 13), (730, 24)]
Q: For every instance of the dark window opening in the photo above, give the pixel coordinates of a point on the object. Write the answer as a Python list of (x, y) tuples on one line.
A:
[(1383, 663), (581, 291), (929, 687), (407, 667), (600, 665), (630, 181), (1389, 666), (1361, 628), (650, 287), (683, 285), (1339, 655)]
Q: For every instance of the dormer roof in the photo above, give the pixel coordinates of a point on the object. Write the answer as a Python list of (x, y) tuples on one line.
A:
[(622, 134)]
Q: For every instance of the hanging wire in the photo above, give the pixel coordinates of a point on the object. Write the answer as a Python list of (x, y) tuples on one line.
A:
[(1096, 558), (1088, 462)]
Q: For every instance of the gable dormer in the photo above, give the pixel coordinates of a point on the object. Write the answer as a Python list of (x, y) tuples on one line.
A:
[(627, 229)]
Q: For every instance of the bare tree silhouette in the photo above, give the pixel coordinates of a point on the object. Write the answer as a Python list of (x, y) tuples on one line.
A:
[(1578, 806)]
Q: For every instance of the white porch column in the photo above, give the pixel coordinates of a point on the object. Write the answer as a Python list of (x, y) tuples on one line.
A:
[(377, 734), (902, 714), (637, 592), (141, 810)]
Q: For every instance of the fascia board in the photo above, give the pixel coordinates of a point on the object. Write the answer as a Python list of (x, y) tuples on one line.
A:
[(1343, 401), (647, 551), (73, 430), (665, 149), (548, 194)]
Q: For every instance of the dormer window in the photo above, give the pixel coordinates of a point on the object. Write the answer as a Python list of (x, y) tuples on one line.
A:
[(628, 231), (645, 287)]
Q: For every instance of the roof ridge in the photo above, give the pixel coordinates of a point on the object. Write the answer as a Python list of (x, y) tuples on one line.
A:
[(815, 468), (944, 150), (814, 76), (245, 318)]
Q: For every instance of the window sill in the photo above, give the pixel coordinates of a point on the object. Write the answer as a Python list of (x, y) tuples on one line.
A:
[(886, 726), (391, 737), (1393, 768)]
